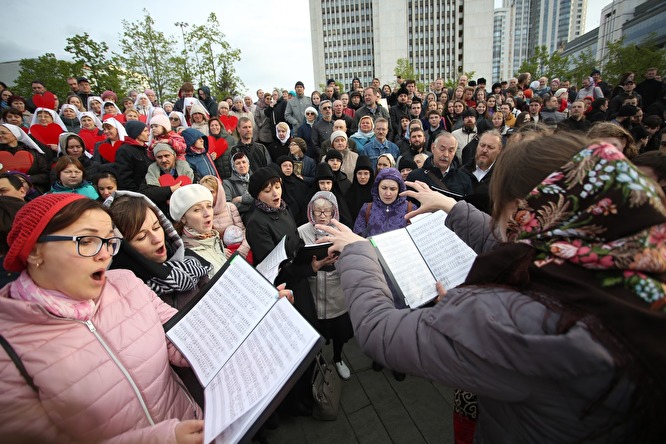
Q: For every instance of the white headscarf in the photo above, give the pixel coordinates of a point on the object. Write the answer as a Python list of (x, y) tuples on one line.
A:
[(108, 102), (22, 137), (98, 123), (101, 102), (181, 116), (117, 125), (72, 107), (56, 118), (62, 147)]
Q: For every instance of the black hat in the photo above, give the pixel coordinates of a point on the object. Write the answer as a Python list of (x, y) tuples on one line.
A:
[(134, 127), (82, 79), (334, 154), (481, 81), (496, 85), (595, 71), (283, 159), (259, 178), (299, 83), (324, 172), (469, 112), (403, 90), (406, 163), (329, 81)]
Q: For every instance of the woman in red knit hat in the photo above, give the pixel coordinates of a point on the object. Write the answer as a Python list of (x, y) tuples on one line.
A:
[(90, 340)]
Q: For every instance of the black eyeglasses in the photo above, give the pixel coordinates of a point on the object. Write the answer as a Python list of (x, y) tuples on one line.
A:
[(87, 246)]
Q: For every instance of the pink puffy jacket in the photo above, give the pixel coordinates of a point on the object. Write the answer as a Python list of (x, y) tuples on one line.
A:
[(106, 380)]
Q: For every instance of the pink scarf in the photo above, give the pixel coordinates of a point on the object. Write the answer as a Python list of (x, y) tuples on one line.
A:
[(56, 303)]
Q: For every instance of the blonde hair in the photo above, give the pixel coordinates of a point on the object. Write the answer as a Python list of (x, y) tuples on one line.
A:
[(209, 182)]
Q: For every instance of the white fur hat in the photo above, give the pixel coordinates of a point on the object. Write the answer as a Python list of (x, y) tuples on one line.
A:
[(185, 197)]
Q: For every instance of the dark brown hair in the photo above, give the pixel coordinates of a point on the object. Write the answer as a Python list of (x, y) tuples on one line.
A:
[(128, 214)]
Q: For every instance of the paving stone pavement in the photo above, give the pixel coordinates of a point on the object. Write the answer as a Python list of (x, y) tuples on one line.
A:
[(375, 408)]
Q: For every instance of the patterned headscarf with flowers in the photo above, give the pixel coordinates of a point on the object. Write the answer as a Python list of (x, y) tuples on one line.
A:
[(599, 212), (589, 242)]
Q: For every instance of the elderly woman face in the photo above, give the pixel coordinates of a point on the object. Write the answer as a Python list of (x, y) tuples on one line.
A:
[(14, 119), (110, 132), (238, 105), (366, 125), (44, 118), (143, 101), (7, 137), (168, 108), (287, 168), (242, 165), (248, 101), (294, 149), (310, 116), (96, 107), (340, 143), (322, 211), (69, 113), (199, 217), (388, 190), (64, 266), (382, 163), (87, 122), (18, 105)]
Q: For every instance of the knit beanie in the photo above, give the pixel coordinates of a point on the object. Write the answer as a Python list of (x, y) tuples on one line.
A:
[(311, 109), (134, 128), (259, 178), (184, 197), (337, 134), (28, 225), (161, 119), (162, 147), (334, 154), (406, 163), (232, 235), (191, 135)]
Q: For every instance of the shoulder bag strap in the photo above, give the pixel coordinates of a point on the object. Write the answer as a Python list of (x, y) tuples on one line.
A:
[(17, 361)]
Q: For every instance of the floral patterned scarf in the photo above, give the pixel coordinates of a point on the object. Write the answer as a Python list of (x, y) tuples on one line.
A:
[(589, 242), (599, 213)]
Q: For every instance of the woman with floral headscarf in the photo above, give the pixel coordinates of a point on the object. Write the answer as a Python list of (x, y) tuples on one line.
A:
[(559, 329), (325, 285)]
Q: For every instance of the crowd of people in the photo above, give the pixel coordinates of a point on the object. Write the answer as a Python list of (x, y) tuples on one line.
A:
[(115, 211)]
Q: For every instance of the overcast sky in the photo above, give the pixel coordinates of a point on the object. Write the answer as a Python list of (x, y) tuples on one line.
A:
[(274, 37)]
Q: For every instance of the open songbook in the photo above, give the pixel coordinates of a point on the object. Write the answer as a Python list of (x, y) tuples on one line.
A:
[(244, 344), (416, 257)]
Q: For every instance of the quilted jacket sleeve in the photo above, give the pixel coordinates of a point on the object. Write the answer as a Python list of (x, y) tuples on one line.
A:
[(473, 226)]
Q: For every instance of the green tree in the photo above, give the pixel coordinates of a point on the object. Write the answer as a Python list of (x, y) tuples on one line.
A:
[(150, 55), (544, 64), (405, 69), (452, 83), (214, 58), (623, 58), (101, 72), (49, 70), (581, 66)]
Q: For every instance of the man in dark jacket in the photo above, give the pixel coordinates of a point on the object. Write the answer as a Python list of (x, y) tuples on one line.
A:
[(575, 122), (399, 109), (256, 153), (487, 150), (132, 164), (187, 90), (207, 100), (440, 171)]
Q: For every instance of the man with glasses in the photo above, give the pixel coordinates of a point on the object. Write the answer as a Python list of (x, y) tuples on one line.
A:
[(323, 128)]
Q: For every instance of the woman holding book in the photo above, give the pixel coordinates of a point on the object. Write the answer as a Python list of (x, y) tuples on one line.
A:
[(269, 223), (325, 285), (557, 329), (96, 341)]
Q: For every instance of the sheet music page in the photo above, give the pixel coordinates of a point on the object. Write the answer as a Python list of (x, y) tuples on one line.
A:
[(214, 328), (408, 268), (448, 257), (270, 266), (257, 371)]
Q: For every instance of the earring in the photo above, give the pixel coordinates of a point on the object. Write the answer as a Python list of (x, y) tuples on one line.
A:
[(38, 264)]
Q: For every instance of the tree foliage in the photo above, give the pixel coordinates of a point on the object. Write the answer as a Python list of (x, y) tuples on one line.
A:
[(50, 71), (149, 54), (581, 66), (405, 69), (623, 58), (94, 57), (211, 59), (544, 64)]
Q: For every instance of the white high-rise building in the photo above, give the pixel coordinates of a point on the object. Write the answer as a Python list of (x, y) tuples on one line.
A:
[(502, 68), (535, 23), (365, 38)]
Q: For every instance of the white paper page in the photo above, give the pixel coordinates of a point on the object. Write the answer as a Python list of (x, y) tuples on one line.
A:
[(270, 266), (210, 332), (448, 257), (407, 266), (257, 371)]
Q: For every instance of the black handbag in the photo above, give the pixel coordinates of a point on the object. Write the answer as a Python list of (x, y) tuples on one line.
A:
[(326, 389)]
